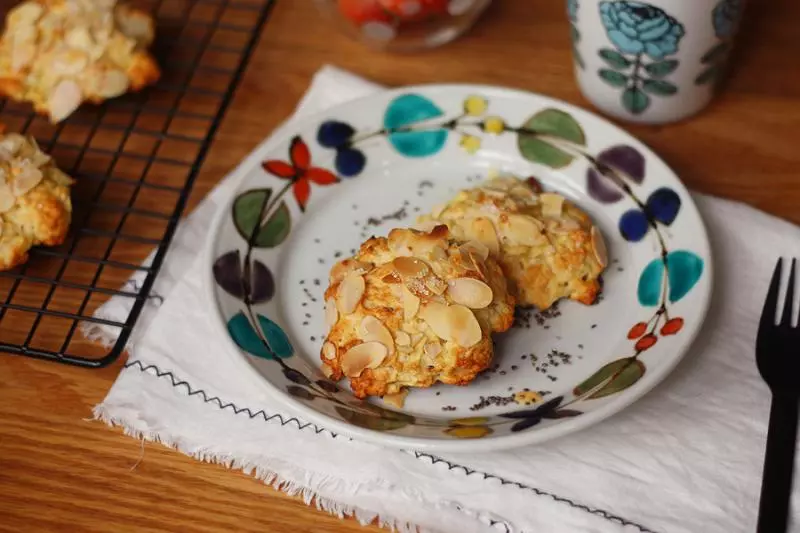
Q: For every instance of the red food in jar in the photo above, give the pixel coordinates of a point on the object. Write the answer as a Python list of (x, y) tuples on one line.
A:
[(415, 10), (360, 12)]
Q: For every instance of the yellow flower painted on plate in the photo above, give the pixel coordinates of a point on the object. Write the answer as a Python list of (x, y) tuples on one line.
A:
[(494, 125), (470, 143), (527, 397), (469, 421), (475, 106), (469, 432)]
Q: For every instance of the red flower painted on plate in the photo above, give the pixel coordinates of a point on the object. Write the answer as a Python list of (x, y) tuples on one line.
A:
[(646, 342), (637, 330), (300, 171)]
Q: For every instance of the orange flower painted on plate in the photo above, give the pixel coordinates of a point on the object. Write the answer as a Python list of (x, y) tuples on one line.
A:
[(300, 171)]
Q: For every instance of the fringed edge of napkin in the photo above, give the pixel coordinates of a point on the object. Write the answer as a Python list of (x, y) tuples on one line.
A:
[(268, 476)]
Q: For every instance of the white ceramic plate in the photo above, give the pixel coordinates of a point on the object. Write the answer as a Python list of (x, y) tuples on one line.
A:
[(376, 163)]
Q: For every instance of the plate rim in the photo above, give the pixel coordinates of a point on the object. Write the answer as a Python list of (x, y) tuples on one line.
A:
[(282, 135)]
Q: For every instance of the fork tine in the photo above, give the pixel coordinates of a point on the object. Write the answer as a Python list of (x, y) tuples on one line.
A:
[(788, 303), (771, 303)]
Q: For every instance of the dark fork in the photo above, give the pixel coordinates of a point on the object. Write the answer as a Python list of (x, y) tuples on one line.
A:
[(778, 361)]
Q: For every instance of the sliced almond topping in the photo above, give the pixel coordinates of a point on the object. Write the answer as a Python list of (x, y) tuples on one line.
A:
[(425, 225), (436, 284), (437, 210), (23, 48), (345, 267), (373, 329), (79, 38), (432, 349), (524, 192), (25, 14), (69, 62), (599, 247), (524, 230), (7, 199), (65, 98), (438, 319), (565, 225), (438, 253), (350, 292), (361, 356), (327, 371), (471, 292), (493, 193), (463, 326), (329, 350), (410, 267), (410, 304), (1, 227), (11, 143), (416, 337), (482, 230), (331, 313), (114, 83), (401, 338), (477, 248), (397, 399), (552, 204), (391, 277), (25, 176)]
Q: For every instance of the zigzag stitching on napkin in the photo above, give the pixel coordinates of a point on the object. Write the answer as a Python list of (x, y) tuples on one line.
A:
[(470, 471), (179, 383), (158, 300)]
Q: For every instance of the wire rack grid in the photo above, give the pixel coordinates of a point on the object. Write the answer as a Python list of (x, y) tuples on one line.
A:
[(134, 159)]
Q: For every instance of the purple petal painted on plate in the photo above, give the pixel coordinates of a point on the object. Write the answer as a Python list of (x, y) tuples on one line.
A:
[(262, 284), (626, 159), (228, 274), (602, 188)]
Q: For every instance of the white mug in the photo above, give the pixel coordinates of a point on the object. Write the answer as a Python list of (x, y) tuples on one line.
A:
[(653, 61)]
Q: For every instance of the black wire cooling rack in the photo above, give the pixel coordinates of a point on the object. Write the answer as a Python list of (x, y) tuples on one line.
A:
[(134, 159)]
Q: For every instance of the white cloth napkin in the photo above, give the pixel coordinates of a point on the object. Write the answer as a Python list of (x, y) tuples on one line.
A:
[(685, 458)]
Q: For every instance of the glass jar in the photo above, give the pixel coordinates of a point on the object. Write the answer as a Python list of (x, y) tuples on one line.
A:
[(404, 25)]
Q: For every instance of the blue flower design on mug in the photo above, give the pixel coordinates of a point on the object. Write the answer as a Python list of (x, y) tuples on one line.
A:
[(726, 18), (637, 28), (639, 31), (572, 10)]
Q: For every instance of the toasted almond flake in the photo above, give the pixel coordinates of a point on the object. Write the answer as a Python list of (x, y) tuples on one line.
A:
[(25, 14), (482, 230), (329, 350), (23, 51), (437, 210), (12, 142), (64, 99), (523, 192), (432, 349), (113, 83), (470, 292), (371, 329), (493, 193), (565, 225), (425, 226), (25, 176), (463, 326), (410, 267), (361, 356), (7, 199), (397, 399), (134, 24), (346, 266), (437, 317), (79, 38), (477, 248), (350, 292), (552, 204), (327, 371), (331, 313), (391, 277), (416, 337), (523, 230), (69, 62), (599, 247), (410, 304), (401, 338), (436, 285), (438, 253)]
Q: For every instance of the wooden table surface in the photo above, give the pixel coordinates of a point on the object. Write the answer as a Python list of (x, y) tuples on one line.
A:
[(60, 471)]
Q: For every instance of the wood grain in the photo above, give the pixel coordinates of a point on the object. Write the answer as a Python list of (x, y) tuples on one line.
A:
[(60, 472)]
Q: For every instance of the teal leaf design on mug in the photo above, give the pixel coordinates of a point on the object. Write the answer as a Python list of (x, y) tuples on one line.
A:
[(662, 68), (635, 101), (659, 87), (614, 58), (405, 111), (277, 344), (684, 270), (613, 78)]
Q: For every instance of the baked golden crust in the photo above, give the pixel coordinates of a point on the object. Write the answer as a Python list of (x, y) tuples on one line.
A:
[(57, 54), (548, 248), (35, 206), (413, 309)]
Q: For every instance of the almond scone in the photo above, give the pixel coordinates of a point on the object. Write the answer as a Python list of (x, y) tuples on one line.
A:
[(57, 54), (548, 248), (35, 206), (413, 309)]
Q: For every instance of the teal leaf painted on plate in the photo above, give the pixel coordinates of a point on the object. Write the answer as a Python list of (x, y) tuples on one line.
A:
[(407, 110), (684, 271), (650, 283), (243, 333)]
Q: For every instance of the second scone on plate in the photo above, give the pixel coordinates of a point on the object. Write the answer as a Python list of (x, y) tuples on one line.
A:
[(413, 309), (548, 248)]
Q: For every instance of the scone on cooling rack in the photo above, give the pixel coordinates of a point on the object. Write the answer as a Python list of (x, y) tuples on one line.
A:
[(58, 54), (413, 309), (548, 248), (35, 206)]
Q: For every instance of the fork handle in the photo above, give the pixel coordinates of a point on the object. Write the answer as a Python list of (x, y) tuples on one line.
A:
[(776, 486)]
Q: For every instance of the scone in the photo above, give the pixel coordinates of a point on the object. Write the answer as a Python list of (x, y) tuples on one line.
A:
[(548, 248), (35, 207), (58, 54), (413, 309)]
